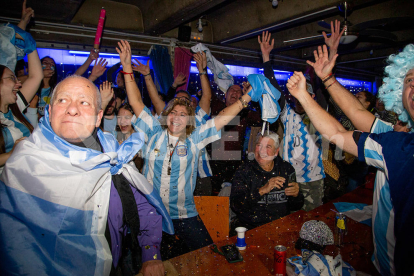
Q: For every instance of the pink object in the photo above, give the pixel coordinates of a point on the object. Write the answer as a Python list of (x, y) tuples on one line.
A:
[(182, 64), (99, 30)]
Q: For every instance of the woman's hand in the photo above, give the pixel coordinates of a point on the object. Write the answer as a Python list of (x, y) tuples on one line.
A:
[(107, 92), (140, 67), (124, 51), (201, 60), (265, 46), (27, 14), (98, 69)]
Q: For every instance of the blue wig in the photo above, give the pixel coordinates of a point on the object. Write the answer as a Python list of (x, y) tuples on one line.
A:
[(391, 91)]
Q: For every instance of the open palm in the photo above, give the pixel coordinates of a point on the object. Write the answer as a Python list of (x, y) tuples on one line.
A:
[(322, 65)]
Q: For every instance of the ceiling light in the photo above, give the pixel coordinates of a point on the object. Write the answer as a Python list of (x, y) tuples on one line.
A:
[(200, 25), (275, 3), (348, 39)]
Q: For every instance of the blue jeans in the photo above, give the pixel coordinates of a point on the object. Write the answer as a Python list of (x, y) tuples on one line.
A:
[(190, 234)]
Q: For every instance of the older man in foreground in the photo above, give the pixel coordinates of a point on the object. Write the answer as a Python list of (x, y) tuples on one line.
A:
[(70, 198), (264, 189)]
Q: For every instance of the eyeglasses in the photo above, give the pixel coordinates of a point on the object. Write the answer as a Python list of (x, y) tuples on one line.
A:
[(12, 77)]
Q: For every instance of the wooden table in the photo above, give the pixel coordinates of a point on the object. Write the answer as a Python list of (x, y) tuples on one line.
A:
[(258, 257)]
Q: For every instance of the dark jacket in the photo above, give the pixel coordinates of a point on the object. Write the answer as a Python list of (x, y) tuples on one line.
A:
[(251, 208)]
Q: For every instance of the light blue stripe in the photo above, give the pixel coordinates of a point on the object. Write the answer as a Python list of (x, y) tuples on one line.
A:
[(381, 221), (44, 250), (372, 154)]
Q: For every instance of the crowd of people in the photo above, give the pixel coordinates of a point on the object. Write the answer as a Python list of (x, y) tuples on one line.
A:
[(96, 182)]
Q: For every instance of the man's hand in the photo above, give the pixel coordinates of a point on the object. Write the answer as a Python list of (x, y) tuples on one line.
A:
[(246, 87), (293, 189), (297, 85), (201, 60), (99, 68), (265, 45), (322, 65), (179, 80), (124, 51), (140, 67), (153, 268), (274, 182), (333, 40), (107, 92), (27, 14)]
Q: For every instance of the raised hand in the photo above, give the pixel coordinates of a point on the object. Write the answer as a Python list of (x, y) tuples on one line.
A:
[(27, 14), (201, 60), (93, 55), (179, 80), (293, 189), (297, 85), (265, 46), (140, 67), (124, 51), (322, 65), (99, 68), (333, 40), (107, 92), (246, 87)]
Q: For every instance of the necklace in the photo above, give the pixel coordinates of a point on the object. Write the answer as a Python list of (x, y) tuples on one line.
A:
[(171, 152)]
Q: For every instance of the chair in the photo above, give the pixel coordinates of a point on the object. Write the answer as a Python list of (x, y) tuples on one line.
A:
[(214, 211)]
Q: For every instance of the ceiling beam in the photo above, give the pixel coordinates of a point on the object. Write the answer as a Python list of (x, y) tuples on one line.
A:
[(174, 13)]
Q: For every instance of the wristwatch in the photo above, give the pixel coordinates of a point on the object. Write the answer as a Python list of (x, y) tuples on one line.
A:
[(244, 103)]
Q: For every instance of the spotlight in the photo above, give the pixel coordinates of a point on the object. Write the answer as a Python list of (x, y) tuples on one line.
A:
[(275, 3)]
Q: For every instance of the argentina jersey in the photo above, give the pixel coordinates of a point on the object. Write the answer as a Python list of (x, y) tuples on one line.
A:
[(204, 169), (176, 186), (302, 148), (383, 215)]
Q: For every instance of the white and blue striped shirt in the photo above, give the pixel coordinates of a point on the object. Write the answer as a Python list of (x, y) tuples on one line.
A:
[(13, 129), (176, 190), (204, 169), (382, 215), (302, 146)]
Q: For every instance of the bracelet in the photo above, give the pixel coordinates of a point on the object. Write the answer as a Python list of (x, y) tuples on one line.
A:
[(125, 73), (328, 78), (203, 73), (147, 74), (330, 84), (330, 74), (243, 102)]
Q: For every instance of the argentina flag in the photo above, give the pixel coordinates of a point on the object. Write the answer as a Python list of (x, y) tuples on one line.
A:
[(54, 199)]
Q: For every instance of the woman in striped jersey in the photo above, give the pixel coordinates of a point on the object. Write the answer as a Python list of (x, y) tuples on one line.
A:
[(172, 147)]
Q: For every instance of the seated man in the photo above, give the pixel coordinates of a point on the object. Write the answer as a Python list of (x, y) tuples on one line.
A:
[(264, 189), (65, 191)]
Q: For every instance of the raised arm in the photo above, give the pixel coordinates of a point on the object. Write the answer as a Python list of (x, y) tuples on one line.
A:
[(82, 69), (227, 114), (32, 83), (205, 100), (145, 70), (98, 69), (134, 95), (107, 93), (266, 47), (327, 125), (361, 118)]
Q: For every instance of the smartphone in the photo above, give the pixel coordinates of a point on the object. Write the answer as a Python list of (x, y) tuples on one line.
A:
[(231, 253)]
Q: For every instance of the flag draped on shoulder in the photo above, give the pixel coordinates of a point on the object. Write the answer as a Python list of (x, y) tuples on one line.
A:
[(54, 203)]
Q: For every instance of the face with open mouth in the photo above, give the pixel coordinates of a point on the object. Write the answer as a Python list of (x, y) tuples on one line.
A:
[(124, 121), (49, 67), (408, 93), (177, 120), (233, 94), (9, 87)]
